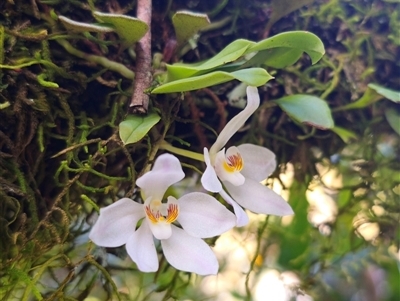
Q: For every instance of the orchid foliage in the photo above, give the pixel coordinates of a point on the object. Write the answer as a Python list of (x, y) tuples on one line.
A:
[(178, 225)]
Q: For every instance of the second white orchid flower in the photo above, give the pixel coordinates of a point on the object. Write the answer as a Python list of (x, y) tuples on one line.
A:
[(241, 169), (199, 215)]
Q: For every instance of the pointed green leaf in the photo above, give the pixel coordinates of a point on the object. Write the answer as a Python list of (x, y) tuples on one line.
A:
[(229, 54), (344, 134), (370, 96), (129, 29), (135, 127), (307, 109), (187, 24), (300, 40), (387, 93), (252, 77), (82, 27), (393, 118)]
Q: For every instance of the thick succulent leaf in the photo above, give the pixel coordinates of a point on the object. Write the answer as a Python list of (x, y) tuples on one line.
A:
[(82, 27), (251, 76), (307, 109), (229, 54), (300, 40), (135, 127), (187, 24), (129, 29)]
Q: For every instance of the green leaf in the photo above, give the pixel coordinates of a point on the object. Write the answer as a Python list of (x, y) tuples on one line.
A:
[(229, 54), (276, 58), (307, 109), (129, 29), (299, 40), (387, 93), (344, 134), (393, 118), (370, 96), (82, 27), (251, 76), (135, 127), (187, 24)]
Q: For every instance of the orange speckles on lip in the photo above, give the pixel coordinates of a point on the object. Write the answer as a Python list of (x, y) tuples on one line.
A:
[(155, 216), (233, 163)]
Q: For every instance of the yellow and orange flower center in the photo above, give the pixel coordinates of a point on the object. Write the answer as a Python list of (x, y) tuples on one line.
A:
[(155, 215), (233, 163)]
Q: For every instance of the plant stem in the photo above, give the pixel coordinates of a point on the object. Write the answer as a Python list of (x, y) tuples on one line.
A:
[(140, 100), (182, 152)]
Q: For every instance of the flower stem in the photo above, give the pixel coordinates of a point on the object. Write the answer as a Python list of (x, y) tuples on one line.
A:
[(182, 152)]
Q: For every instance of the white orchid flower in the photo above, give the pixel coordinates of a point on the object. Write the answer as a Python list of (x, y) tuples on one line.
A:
[(199, 215), (241, 169)]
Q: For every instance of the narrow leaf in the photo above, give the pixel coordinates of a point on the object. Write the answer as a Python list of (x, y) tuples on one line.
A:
[(252, 77), (307, 109), (82, 27), (370, 96), (387, 93), (229, 54), (300, 40), (135, 127), (187, 24)]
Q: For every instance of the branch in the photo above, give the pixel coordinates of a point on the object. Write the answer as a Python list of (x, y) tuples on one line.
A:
[(140, 100)]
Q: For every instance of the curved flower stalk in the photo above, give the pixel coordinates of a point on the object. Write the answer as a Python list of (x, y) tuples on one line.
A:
[(199, 214), (241, 169)]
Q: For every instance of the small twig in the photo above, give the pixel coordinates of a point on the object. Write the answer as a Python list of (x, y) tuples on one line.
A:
[(140, 100)]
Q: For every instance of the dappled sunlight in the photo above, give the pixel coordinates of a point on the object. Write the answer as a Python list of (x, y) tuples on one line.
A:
[(323, 208)]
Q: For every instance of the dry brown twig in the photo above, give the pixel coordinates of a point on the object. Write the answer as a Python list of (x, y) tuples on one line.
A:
[(140, 100)]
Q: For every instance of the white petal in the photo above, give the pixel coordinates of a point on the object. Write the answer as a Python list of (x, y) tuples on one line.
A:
[(167, 170), (160, 230), (253, 101), (203, 216), (209, 179), (234, 177), (116, 223), (188, 253), (258, 198), (241, 216), (141, 249), (259, 162)]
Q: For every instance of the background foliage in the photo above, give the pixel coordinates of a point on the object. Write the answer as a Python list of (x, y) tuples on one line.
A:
[(63, 95)]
